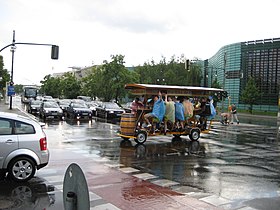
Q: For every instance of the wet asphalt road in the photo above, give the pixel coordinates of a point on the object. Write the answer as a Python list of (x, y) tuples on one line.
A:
[(240, 163)]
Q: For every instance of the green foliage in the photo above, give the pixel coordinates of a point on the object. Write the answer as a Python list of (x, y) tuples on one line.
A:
[(51, 86), (70, 86), (66, 86), (18, 88), (250, 94), (4, 74), (169, 73), (107, 81), (216, 84)]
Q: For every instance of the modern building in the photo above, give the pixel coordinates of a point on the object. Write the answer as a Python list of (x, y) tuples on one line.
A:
[(234, 64)]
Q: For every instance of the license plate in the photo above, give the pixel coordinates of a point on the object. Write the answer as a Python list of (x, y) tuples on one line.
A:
[(85, 113)]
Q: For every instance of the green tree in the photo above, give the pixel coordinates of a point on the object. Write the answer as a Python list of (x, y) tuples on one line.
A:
[(18, 88), (170, 73), (51, 86), (216, 84), (107, 81), (4, 75), (70, 86), (250, 94)]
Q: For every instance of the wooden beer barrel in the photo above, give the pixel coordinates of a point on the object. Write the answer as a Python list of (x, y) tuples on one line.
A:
[(128, 123)]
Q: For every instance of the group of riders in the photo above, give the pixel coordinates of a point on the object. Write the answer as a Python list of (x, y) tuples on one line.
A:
[(174, 113)]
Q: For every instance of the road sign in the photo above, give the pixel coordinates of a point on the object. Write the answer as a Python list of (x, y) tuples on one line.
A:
[(11, 90)]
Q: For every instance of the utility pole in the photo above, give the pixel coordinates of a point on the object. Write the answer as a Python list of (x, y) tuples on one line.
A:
[(224, 78), (13, 48)]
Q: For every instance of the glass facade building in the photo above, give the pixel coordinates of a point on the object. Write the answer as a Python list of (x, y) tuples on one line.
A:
[(234, 64)]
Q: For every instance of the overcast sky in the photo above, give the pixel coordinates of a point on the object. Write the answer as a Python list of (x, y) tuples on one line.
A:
[(90, 31)]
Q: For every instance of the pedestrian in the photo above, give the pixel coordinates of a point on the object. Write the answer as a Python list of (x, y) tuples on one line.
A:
[(234, 114), (225, 117)]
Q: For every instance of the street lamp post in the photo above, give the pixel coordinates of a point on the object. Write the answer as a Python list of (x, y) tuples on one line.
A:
[(224, 78), (13, 48)]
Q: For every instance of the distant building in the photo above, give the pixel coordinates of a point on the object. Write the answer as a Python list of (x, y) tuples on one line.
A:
[(77, 71), (233, 64)]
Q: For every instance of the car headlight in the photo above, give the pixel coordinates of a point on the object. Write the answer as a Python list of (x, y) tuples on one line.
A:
[(46, 111), (111, 112)]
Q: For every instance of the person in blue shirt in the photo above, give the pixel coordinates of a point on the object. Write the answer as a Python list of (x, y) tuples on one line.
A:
[(158, 111)]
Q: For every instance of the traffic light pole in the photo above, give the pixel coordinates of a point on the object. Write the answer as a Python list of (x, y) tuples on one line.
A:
[(13, 48), (54, 55)]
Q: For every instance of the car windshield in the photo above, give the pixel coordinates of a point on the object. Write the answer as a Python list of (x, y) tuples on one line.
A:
[(51, 105), (64, 102), (92, 104), (35, 102), (112, 106), (79, 105)]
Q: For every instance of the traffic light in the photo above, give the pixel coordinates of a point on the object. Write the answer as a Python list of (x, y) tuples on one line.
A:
[(187, 64), (55, 52)]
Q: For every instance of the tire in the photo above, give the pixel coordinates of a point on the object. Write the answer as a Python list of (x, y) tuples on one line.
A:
[(21, 169), (194, 134), (22, 193), (141, 137)]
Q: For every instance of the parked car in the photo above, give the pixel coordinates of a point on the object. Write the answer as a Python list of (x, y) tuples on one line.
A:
[(23, 147), (33, 106), (92, 105), (127, 107), (64, 104), (48, 98), (79, 111), (84, 98), (49, 109), (80, 101), (109, 110)]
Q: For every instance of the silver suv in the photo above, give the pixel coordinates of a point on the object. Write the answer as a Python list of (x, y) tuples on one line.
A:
[(23, 147)]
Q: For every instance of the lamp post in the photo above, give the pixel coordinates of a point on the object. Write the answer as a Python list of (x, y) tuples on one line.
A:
[(224, 78), (13, 48)]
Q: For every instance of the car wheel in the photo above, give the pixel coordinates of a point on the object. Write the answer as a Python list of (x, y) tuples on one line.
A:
[(194, 134), (141, 137), (21, 169)]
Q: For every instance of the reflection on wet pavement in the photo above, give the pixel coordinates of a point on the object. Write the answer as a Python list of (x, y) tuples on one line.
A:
[(35, 194), (236, 162)]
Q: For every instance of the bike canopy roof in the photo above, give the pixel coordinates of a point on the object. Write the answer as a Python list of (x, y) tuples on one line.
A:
[(192, 91)]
